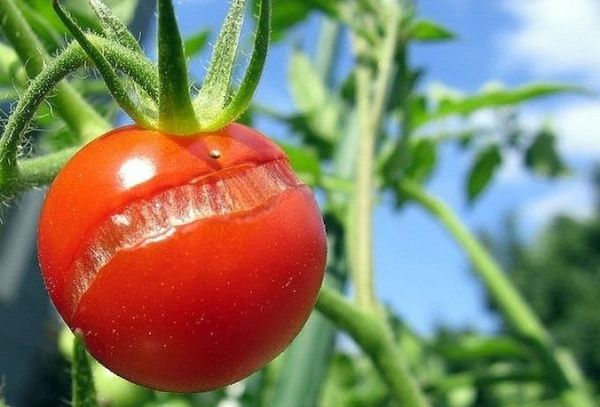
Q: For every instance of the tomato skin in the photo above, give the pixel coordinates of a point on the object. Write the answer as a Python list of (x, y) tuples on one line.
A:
[(205, 305)]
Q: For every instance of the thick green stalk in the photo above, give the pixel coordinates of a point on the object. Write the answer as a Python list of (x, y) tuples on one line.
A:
[(565, 375), (85, 122), (83, 390), (41, 171), (329, 49), (372, 97), (114, 83), (362, 264), (375, 339)]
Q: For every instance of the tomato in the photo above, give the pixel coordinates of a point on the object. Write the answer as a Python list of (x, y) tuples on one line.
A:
[(186, 262)]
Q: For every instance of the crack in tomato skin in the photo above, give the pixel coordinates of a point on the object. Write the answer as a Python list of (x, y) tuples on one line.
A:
[(196, 270), (240, 189), (122, 166)]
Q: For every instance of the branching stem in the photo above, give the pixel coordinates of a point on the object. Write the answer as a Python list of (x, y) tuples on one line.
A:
[(514, 308), (70, 60), (372, 97), (375, 339), (81, 118)]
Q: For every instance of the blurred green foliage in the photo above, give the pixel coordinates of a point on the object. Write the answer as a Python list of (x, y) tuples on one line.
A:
[(559, 274)]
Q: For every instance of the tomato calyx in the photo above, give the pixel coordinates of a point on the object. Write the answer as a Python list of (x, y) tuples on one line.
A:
[(175, 111)]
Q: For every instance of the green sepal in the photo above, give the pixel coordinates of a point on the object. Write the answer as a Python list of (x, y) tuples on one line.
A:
[(215, 89), (113, 27), (243, 97), (176, 113), (196, 43), (113, 82)]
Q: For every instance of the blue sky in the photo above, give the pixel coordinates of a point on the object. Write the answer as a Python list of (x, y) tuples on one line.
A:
[(420, 271)]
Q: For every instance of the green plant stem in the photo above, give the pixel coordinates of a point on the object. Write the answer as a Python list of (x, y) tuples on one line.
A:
[(41, 171), (73, 57), (363, 199), (329, 48), (117, 88), (81, 118), (374, 337), (372, 97), (83, 390), (471, 380), (566, 377)]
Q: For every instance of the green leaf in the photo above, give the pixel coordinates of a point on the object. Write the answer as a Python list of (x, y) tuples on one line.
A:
[(478, 348), (487, 162), (458, 105), (422, 160), (45, 31), (320, 111), (542, 156), (196, 43), (308, 90), (304, 161), (417, 105), (429, 31), (41, 10), (288, 13), (83, 390), (11, 70)]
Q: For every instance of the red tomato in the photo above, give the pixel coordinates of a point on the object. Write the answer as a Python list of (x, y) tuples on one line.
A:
[(187, 262)]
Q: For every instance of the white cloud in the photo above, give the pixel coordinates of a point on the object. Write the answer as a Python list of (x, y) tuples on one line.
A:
[(574, 198), (554, 37), (577, 126), (512, 170)]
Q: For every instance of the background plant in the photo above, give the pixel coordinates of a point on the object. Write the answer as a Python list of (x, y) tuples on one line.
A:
[(356, 137)]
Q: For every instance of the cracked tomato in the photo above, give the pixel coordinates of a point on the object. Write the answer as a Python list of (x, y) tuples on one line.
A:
[(186, 263)]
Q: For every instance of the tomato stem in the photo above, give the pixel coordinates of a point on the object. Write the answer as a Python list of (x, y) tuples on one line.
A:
[(111, 78), (83, 389), (514, 308), (81, 118), (375, 339), (176, 113), (116, 30), (372, 97)]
